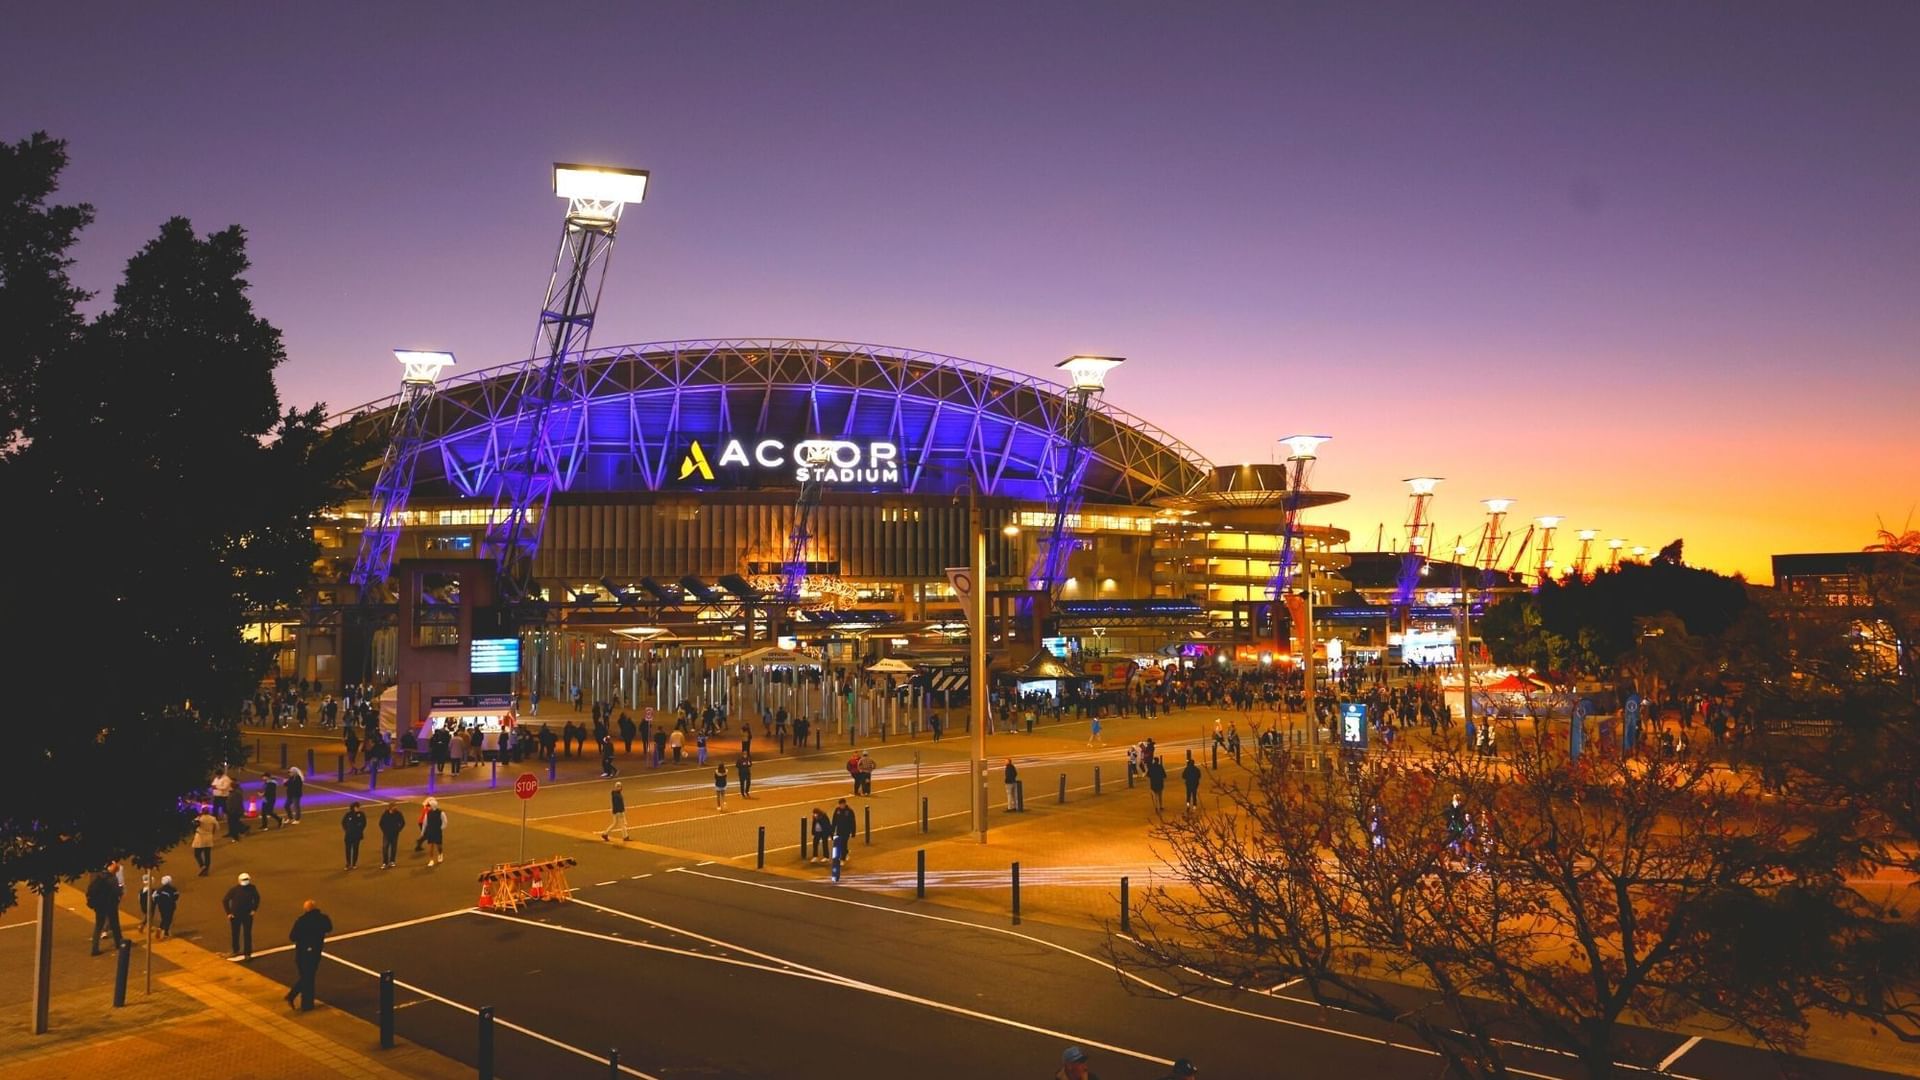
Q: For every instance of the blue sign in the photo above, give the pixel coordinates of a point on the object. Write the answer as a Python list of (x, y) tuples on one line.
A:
[(495, 656), (1353, 725)]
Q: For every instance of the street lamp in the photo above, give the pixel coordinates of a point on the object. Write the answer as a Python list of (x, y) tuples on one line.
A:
[(1586, 537), (1088, 374), (1613, 552), (597, 192), (1490, 541), (1548, 523), (1301, 452), (422, 366)]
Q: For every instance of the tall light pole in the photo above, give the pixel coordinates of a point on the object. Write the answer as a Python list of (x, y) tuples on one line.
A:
[(1613, 552), (1302, 450), (1548, 523), (1490, 540), (977, 649), (1587, 537)]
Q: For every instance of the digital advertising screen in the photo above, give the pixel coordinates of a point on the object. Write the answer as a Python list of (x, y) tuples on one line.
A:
[(495, 656)]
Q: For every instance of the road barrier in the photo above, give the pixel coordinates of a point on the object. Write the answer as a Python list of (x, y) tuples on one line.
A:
[(510, 886)]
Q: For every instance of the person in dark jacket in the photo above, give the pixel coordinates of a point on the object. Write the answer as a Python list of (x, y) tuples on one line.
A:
[(392, 824), (1157, 781), (296, 787), (240, 903), (353, 828), (619, 821), (103, 896), (843, 827), (165, 899), (743, 770), (1012, 777), (308, 935), (822, 835), (1190, 776), (236, 815), (433, 825), (269, 795)]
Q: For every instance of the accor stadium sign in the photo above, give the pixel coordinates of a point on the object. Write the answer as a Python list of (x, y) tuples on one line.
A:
[(821, 460)]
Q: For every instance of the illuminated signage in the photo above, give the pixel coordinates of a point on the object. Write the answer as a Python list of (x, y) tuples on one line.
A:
[(1353, 724), (495, 656), (818, 459)]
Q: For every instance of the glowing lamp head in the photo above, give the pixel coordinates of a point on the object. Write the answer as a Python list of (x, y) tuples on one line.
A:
[(1639, 551), (1304, 447), (1616, 543), (599, 183), (1497, 506), (1423, 485), (1009, 529), (1588, 535), (1090, 372), (423, 367), (1416, 542), (1549, 521), (1459, 551)]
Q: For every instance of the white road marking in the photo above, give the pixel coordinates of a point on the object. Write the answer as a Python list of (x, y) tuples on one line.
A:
[(331, 938), (796, 970), (1667, 1062), (18, 925), (508, 1024)]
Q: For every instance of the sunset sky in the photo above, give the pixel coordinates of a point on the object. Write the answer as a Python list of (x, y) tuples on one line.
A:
[(1655, 268)]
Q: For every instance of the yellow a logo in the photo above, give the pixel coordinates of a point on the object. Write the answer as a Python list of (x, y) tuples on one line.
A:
[(696, 462)]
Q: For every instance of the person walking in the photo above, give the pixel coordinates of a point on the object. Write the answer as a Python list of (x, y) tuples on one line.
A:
[(433, 832), (843, 826), (222, 787), (822, 835), (607, 768), (1190, 776), (866, 774), (269, 801), (1094, 739), (165, 899), (1157, 781), (309, 935), (296, 786), (743, 771), (392, 824), (619, 816), (236, 814), (1012, 777), (720, 785), (103, 896), (353, 827), (627, 732), (205, 825), (659, 746), (240, 904)]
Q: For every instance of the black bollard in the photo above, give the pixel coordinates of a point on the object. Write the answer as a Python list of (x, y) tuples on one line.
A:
[(386, 1010), (122, 957), (1019, 796), (1063, 787), (760, 855), (433, 777), (1216, 755), (310, 769), (283, 755), (1016, 894), (803, 839), (373, 775), (553, 768), (486, 1042), (1130, 773), (340, 768), (923, 815), (920, 874), (613, 1063), (1126, 914), (1096, 779), (256, 751), (869, 824), (1236, 753)]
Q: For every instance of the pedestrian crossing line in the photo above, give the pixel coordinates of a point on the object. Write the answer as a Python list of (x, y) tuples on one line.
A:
[(331, 938)]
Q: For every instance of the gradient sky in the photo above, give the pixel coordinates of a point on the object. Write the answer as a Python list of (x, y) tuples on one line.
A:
[(1652, 267)]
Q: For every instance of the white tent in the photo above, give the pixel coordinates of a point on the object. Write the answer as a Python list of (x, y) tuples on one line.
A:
[(892, 666), (772, 656)]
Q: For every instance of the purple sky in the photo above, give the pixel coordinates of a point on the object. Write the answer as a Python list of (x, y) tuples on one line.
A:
[(1612, 262)]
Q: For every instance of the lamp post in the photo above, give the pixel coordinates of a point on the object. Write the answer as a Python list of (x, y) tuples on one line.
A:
[(1613, 552), (977, 650), (1587, 537), (1490, 540), (1548, 523), (1302, 450)]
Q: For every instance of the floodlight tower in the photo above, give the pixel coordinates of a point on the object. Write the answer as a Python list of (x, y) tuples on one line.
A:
[(1420, 490), (1548, 523), (538, 433), (1639, 553), (1586, 537), (395, 482), (1490, 541), (1613, 552), (1302, 451), (1088, 376)]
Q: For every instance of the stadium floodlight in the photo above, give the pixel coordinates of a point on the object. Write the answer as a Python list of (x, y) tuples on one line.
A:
[(1587, 536), (599, 183), (1498, 506), (422, 366), (1616, 543), (1550, 521), (1423, 485), (1304, 447), (1089, 373)]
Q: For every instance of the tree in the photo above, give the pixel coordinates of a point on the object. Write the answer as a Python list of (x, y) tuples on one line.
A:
[(162, 495), (39, 306), (1594, 623), (1564, 902)]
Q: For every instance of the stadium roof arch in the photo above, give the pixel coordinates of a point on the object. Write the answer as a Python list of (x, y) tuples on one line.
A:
[(957, 424)]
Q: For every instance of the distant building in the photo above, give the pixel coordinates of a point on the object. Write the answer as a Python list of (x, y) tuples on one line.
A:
[(1836, 579)]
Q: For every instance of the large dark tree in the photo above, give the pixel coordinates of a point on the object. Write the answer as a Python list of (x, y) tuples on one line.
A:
[(161, 495), (1598, 622), (39, 314)]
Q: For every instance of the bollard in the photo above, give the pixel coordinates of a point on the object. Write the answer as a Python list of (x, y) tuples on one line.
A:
[(553, 769), (760, 855), (494, 781), (283, 755), (373, 775), (1126, 919), (803, 839), (1019, 796), (920, 874), (1096, 779), (122, 957), (1016, 894), (923, 815), (1063, 787), (1130, 773), (1216, 755), (310, 769), (386, 1010), (340, 768), (486, 1042), (1236, 753), (256, 752), (869, 824), (613, 1063), (433, 777)]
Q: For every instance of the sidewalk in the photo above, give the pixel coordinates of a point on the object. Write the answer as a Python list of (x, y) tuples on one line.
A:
[(205, 1017)]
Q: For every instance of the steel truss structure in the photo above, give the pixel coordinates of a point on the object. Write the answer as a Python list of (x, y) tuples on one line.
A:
[(390, 489), (1050, 563), (538, 429), (627, 414)]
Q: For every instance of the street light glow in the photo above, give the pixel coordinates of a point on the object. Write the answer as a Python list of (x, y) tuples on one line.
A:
[(422, 366), (1549, 521), (1302, 447), (1423, 485), (1497, 506), (1090, 372), (599, 183), (1588, 535)]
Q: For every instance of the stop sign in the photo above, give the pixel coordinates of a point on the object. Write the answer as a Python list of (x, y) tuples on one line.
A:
[(526, 785), (647, 714)]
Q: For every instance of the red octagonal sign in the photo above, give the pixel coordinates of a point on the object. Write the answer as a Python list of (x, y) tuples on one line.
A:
[(526, 785)]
